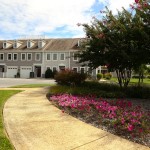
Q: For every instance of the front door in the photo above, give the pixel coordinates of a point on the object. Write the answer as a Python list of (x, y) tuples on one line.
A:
[(38, 71)]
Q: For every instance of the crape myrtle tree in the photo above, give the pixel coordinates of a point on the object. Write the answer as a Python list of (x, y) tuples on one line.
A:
[(118, 41), (142, 9)]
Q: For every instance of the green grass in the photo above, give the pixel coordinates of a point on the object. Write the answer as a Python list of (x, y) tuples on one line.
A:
[(4, 142), (31, 86), (133, 80)]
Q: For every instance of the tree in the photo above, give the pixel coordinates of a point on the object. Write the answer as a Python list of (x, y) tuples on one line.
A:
[(115, 41)]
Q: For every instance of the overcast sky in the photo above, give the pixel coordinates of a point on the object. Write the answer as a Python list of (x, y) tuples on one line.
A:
[(50, 18)]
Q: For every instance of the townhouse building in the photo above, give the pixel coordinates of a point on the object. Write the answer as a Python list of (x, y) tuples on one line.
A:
[(34, 56)]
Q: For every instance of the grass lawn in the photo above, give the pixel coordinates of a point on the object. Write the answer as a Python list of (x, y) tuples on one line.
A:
[(4, 142), (133, 80), (31, 86)]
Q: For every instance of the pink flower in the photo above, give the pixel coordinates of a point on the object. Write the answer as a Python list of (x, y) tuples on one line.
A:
[(122, 120), (130, 127), (136, 1), (140, 130)]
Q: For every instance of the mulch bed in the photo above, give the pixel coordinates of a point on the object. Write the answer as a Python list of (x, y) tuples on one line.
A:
[(145, 103)]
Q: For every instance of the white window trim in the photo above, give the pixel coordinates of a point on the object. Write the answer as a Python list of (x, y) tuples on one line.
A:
[(14, 45), (88, 70), (74, 59), (27, 57), (75, 67), (53, 57), (21, 57), (39, 44), (39, 56), (46, 56), (64, 57), (3, 57), (11, 57), (81, 68), (29, 44), (5, 45)]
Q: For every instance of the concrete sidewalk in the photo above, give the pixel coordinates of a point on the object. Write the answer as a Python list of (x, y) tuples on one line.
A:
[(33, 123)]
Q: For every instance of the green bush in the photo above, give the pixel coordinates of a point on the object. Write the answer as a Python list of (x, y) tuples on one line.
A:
[(137, 77), (99, 76), (48, 73), (107, 76), (105, 90), (142, 92), (69, 77), (59, 89), (148, 76)]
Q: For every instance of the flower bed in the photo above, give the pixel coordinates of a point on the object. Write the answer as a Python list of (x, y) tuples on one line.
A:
[(116, 116)]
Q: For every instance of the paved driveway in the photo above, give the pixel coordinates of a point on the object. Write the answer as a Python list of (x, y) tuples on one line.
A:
[(7, 82)]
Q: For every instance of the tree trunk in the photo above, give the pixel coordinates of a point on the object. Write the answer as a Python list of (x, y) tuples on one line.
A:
[(124, 77)]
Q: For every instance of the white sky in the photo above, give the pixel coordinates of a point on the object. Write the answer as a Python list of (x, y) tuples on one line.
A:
[(39, 17)]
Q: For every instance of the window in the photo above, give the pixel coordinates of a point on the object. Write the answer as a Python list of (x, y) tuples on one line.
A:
[(62, 56), (54, 69), (37, 56), (15, 57), (29, 56), (75, 69), (4, 45), (9, 56), (40, 44), (75, 58), (48, 56), (89, 70), (23, 56), (1, 56), (82, 69), (48, 68), (15, 45), (54, 56), (28, 44)]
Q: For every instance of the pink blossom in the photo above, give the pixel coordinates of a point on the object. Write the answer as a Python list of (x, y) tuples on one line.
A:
[(136, 1), (130, 127), (122, 120)]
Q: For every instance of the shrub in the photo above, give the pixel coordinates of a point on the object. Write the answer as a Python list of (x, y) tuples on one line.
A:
[(69, 77), (99, 76), (138, 92), (137, 77), (148, 76), (107, 76), (48, 73)]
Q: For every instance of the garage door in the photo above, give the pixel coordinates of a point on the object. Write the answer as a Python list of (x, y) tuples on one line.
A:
[(25, 72), (11, 71)]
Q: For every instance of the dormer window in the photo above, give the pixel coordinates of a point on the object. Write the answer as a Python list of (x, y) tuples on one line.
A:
[(28, 44), (41, 44), (15, 45), (4, 45)]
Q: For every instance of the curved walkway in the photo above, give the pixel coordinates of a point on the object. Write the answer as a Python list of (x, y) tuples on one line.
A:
[(33, 123)]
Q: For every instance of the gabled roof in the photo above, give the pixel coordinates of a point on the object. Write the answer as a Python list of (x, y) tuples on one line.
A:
[(65, 44)]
